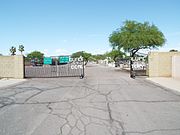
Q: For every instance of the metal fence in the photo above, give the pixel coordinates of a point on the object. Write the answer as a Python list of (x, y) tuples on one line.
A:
[(72, 69)]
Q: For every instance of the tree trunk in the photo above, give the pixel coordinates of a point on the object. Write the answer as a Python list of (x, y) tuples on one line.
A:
[(132, 73), (86, 62)]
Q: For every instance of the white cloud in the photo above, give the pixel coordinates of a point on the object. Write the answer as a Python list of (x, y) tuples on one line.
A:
[(99, 51), (45, 51), (166, 49), (65, 41), (60, 51)]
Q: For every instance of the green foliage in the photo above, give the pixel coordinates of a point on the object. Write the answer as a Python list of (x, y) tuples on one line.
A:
[(99, 57), (77, 54), (21, 48), (13, 50), (114, 54), (173, 50), (35, 54), (133, 36), (86, 56)]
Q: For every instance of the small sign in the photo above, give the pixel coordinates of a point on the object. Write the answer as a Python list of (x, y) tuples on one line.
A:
[(47, 60), (64, 59)]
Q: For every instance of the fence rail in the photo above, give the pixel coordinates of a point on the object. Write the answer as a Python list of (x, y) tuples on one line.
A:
[(67, 70)]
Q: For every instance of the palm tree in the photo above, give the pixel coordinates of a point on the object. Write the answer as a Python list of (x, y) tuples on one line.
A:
[(13, 50), (21, 48)]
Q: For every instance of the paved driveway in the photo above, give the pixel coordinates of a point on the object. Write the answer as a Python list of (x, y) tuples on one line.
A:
[(106, 102)]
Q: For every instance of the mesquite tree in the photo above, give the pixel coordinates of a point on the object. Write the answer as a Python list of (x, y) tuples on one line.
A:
[(133, 36)]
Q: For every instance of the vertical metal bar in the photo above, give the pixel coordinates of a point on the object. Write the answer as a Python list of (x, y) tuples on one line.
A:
[(83, 68), (57, 70), (132, 73)]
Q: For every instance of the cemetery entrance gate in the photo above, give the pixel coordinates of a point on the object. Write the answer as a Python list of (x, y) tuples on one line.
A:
[(62, 66)]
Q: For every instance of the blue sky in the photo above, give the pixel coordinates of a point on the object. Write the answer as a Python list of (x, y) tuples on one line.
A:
[(58, 27)]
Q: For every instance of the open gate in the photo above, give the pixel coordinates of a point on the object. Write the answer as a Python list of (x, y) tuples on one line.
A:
[(74, 68)]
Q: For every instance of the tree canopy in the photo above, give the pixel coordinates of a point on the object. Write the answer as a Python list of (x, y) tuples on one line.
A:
[(35, 54), (133, 36), (86, 56), (114, 54), (173, 50), (99, 57)]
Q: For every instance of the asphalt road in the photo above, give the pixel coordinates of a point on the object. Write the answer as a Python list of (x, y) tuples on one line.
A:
[(105, 102)]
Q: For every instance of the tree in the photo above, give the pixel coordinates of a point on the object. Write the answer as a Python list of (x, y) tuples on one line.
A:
[(114, 54), (13, 50), (133, 36), (86, 56), (21, 48), (173, 50), (99, 57), (35, 55)]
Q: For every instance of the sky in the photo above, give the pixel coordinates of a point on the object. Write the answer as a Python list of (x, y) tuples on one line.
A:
[(60, 27)]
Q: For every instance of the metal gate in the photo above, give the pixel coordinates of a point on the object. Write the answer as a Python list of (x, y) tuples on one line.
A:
[(71, 69)]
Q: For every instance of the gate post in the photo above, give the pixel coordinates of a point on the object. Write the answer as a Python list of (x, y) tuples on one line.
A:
[(83, 68), (18, 66), (83, 74)]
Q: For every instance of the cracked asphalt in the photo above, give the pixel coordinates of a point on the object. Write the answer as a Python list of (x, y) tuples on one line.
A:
[(105, 102)]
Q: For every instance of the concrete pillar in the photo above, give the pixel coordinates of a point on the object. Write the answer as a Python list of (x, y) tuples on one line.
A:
[(19, 66), (176, 67)]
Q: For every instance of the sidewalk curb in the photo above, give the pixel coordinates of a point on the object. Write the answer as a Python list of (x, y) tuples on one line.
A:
[(174, 91), (13, 84)]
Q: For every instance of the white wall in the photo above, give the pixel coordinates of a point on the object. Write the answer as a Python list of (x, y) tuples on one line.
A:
[(12, 66), (176, 67)]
